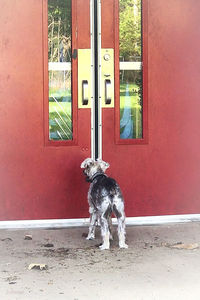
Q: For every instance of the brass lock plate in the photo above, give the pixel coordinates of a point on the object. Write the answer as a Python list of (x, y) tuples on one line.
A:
[(107, 77), (84, 78)]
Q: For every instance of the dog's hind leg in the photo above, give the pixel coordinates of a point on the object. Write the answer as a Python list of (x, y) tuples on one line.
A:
[(93, 220), (122, 232), (110, 228), (119, 212), (105, 233)]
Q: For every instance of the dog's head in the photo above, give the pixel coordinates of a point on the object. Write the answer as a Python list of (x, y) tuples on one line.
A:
[(91, 167)]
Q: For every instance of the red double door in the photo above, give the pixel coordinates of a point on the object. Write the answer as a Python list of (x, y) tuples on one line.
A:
[(135, 103)]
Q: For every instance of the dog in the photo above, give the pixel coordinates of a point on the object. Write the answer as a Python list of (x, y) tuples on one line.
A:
[(104, 198)]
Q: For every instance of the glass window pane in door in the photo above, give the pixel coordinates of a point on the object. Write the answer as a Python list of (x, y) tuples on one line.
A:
[(59, 58), (130, 48)]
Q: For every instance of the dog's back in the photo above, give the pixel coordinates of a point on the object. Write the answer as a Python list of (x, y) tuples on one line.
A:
[(105, 188)]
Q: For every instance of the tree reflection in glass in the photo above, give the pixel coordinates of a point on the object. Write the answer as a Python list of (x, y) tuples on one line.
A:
[(130, 38), (59, 57)]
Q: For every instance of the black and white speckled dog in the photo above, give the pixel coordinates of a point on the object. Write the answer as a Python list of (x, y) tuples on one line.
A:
[(104, 197)]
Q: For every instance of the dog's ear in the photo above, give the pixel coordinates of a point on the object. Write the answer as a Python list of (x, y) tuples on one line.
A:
[(104, 165), (87, 162)]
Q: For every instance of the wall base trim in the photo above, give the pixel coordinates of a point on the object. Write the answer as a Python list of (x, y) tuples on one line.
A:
[(64, 223)]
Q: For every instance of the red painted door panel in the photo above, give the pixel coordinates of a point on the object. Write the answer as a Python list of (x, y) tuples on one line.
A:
[(162, 176), (36, 180)]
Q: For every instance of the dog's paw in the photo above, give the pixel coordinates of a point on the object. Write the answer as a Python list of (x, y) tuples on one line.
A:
[(123, 246), (104, 247), (90, 237)]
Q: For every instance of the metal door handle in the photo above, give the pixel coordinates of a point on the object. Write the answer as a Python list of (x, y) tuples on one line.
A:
[(85, 92), (108, 91)]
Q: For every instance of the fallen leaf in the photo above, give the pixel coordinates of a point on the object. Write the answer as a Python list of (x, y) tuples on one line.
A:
[(38, 267), (186, 246), (181, 246), (28, 237)]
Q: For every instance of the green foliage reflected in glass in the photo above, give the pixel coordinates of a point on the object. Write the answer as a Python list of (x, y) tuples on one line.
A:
[(59, 56), (130, 30), (130, 39), (59, 30)]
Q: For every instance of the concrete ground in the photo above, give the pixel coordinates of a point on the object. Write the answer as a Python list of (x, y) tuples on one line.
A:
[(162, 262)]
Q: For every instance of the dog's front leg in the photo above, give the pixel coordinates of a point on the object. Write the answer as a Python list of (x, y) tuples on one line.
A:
[(93, 219)]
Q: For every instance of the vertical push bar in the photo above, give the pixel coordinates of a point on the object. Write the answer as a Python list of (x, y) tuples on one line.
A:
[(96, 128)]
